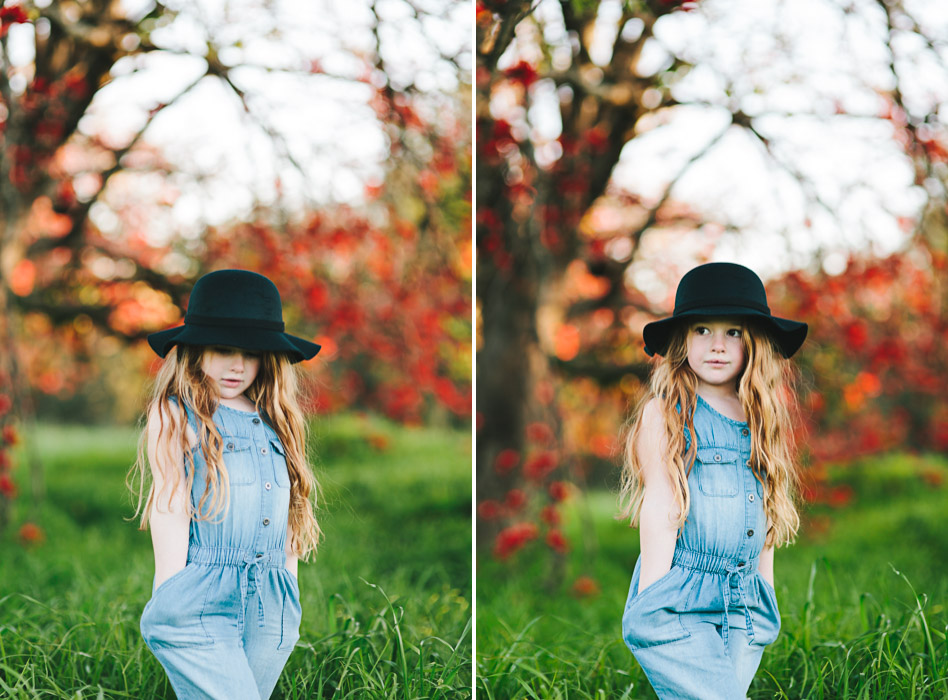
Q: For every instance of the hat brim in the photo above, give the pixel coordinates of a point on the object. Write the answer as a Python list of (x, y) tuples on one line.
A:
[(297, 349), (788, 334)]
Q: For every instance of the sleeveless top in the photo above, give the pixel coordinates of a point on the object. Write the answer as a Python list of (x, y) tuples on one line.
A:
[(714, 567), (236, 568)]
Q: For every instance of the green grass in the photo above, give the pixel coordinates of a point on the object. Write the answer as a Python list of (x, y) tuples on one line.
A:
[(862, 595), (386, 602)]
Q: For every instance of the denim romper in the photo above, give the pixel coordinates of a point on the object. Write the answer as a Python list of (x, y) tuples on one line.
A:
[(224, 626), (699, 631)]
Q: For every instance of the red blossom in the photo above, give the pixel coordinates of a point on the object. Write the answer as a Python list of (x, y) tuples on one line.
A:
[(557, 542), (538, 466), (512, 538), (559, 491), (515, 499), (31, 534), (585, 587), (540, 433), (9, 435), (857, 333), (12, 14), (7, 487), (488, 510), (506, 460), (550, 515), (522, 73), (840, 496), (378, 442), (5, 404)]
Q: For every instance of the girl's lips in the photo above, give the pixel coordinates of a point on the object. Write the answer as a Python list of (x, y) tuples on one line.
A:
[(230, 382)]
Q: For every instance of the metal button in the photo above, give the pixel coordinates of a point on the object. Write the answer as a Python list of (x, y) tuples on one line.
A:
[(267, 486), (748, 463), (259, 555), (263, 450), (750, 496), (266, 521), (256, 421), (230, 445), (717, 457), (745, 432), (750, 533)]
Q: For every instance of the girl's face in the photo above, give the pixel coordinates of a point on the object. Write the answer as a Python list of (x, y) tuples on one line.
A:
[(716, 351), (232, 369)]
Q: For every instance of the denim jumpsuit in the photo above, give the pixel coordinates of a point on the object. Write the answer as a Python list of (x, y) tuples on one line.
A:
[(700, 630), (224, 626)]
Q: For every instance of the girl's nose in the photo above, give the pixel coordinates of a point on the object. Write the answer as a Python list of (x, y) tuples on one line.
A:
[(237, 362)]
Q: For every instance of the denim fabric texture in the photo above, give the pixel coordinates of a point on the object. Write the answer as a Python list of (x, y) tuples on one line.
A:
[(224, 626), (700, 630)]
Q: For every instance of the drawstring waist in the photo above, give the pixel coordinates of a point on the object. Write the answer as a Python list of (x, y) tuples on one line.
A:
[(734, 570), (245, 560)]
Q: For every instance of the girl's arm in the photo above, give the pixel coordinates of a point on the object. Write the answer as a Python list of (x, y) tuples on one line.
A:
[(766, 566), (657, 529), (170, 523), (292, 561)]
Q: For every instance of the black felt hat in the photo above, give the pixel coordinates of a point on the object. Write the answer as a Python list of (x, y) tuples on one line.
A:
[(723, 289), (236, 308)]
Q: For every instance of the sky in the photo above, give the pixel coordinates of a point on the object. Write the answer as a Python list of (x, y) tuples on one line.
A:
[(298, 63), (791, 66)]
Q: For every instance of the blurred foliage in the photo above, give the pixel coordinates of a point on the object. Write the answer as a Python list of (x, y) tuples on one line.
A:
[(572, 264), (369, 282)]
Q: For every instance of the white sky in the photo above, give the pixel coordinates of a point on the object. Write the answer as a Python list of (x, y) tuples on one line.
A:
[(771, 58), (224, 161)]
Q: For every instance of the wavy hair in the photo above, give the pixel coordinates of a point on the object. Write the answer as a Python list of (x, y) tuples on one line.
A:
[(767, 392), (275, 392)]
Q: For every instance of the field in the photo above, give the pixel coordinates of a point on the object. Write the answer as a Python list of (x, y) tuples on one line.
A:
[(863, 595), (386, 602)]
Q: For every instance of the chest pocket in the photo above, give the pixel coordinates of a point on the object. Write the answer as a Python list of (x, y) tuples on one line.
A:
[(718, 471), (280, 472), (239, 458)]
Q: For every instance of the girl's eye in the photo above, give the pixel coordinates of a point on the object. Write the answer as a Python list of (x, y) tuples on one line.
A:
[(735, 332), (702, 330)]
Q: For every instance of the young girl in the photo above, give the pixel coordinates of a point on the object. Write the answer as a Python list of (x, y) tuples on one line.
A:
[(709, 478), (229, 506)]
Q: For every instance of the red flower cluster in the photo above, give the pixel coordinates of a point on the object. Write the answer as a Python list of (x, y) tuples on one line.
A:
[(31, 534), (559, 491), (506, 460), (585, 587), (540, 433), (522, 73), (550, 515), (13, 14), (538, 466), (515, 499), (7, 487), (557, 542), (513, 538)]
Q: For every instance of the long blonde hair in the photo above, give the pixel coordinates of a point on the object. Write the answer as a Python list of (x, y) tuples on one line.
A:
[(767, 392), (181, 382)]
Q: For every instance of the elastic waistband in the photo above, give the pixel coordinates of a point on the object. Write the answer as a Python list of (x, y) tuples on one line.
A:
[(232, 556), (713, 564)]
